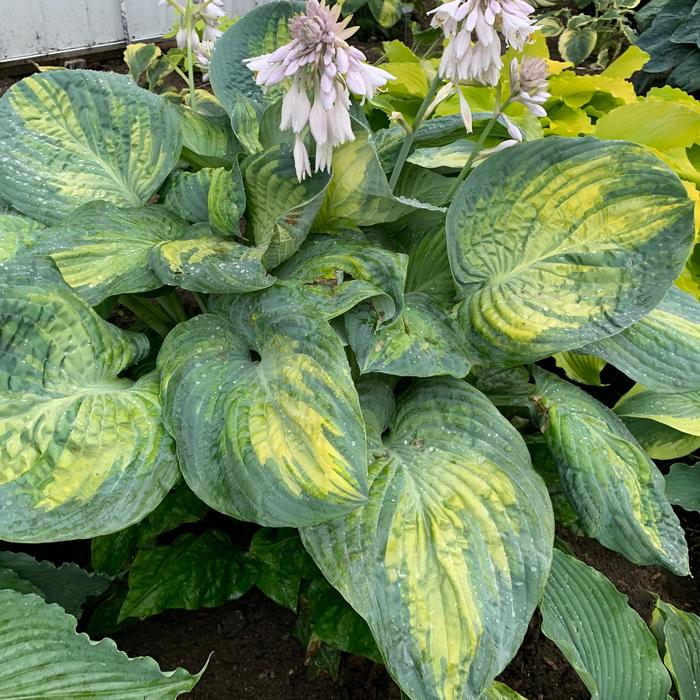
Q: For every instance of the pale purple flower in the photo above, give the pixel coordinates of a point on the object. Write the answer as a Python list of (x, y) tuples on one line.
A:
[(181, 37), (528, 84), (322, 70), (203, 57), (472, 28)]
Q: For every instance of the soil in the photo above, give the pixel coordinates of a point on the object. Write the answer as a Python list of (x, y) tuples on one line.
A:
[(255, 654)]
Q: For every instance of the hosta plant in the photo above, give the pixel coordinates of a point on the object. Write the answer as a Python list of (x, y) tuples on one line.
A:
[(288, 318)]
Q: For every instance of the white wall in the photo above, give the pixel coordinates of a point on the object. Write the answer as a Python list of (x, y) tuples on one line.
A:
[(35, 28)]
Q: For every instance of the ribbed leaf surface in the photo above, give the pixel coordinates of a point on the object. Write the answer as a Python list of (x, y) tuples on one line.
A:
[(448, 559), (661, 350), (678, 632), (558, 242), (602, 637), (42, 656), (615, 489), (279, 440), (72, 136), (83, 452), (678, 411)]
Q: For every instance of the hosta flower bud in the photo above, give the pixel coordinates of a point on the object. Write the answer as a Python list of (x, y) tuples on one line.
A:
[(528, 84), (324, 69)]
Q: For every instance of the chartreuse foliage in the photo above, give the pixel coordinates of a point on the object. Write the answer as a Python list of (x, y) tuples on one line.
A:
[(349, 361), (457, 526), (84, 451)]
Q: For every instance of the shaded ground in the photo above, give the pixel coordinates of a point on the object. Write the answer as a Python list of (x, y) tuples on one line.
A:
[(255, 653)]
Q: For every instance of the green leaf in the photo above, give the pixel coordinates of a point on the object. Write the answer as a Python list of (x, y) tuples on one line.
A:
[(140, 57), (336, 273), (659, 441), (601, 636), (68, 584), (358, 193), (113, 553), (683, 486), (561, 242), (335, 622), (103, 250), (207, 138), (662, 350), (279, 441), (84, 452), (500, 691), (72, 136), (678, 411), (656, 123), (186, 195), (428, 265), (678, 633), (282, 588), (424, 342), (282, 550), (42, 656), (386, 12), (615, 489), (453, 502), (17, 234), (196, 571), (259, 31), (584, 369), (226, 201), (576, 45), (280, 208), (210, 264)]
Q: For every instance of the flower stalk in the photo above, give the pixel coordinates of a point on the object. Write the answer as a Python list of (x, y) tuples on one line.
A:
[(410, 137)]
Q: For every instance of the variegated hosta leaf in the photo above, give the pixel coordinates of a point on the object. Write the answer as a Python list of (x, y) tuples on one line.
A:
[(207, 138), (424, 341), (210, 195), (17, 234), (226, 201), (336, 273), (678, 411), (259, 31), (584, 369), (661, 350), (280, 208), (386, 12), (42, 656), (661, 441), (602, 637), (186, 195), (103, 250), (561, 242), (615, 489), (499, 691), (210, 264), (83, 452), (447, 560), (279, 441), (72, 136), (358, 193), (678, 634)]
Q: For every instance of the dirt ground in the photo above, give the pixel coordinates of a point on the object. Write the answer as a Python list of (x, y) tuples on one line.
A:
[(255, 654)]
